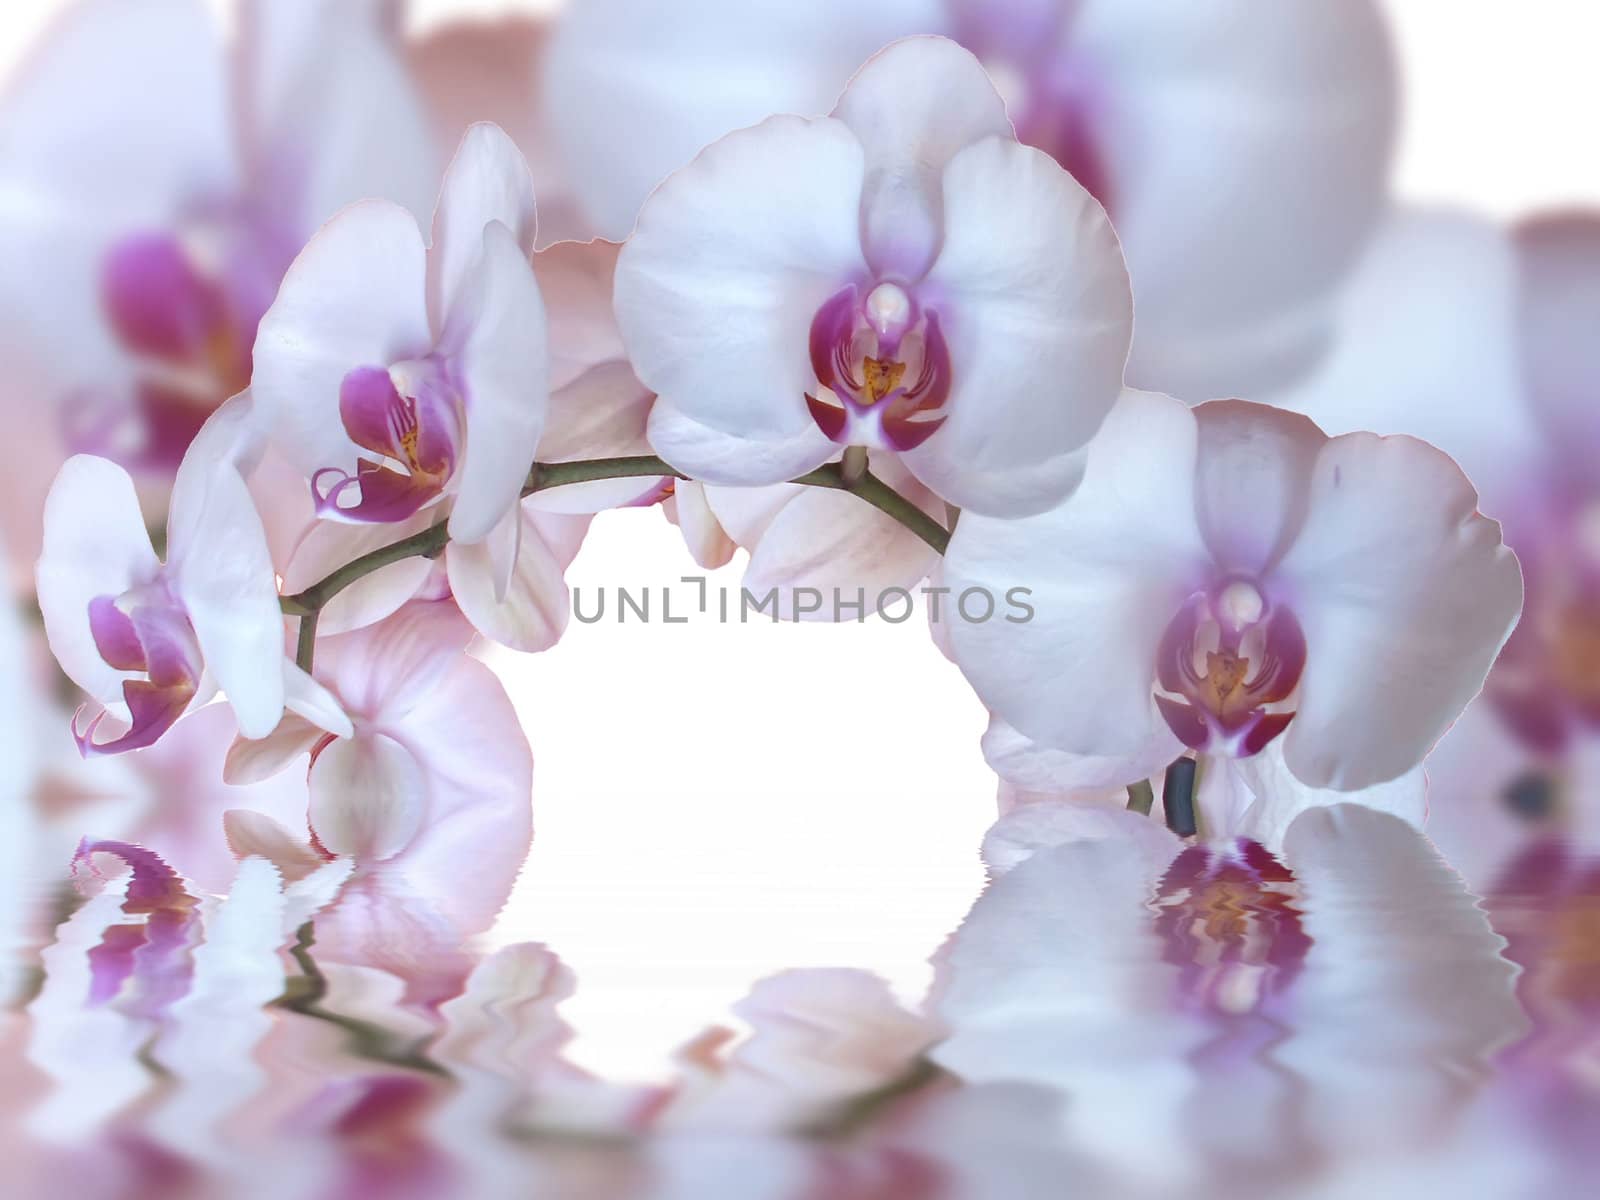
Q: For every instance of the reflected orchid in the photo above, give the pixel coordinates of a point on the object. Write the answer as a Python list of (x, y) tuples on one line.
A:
[(902, 275), (1228, 576), (148, 954), (432, 770), (1143, 979)]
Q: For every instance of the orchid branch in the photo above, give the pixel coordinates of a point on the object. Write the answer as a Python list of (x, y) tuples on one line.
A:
[(430, 542)]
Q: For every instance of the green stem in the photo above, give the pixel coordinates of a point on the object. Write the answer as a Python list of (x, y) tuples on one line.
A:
[(883, 498), (305, 647), (1141, 797), (430, 543)]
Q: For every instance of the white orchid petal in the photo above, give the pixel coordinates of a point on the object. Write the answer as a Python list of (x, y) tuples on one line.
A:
[(505, 376), (488, 180), (355, 297), (914, 105), (717, 289), (223, 572), (676, 78), (253, 760), (1105, 574), (95, 544), (1036, 308), (329, 545), (532, 612), (1405, 594)]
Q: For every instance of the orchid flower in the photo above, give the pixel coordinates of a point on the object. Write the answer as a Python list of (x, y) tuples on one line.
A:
[(153, 213), (901, 275), (1505, 317), (393, 373), (1228, 576), (431, 772), (1140, 978), (431, 393), (1241, 149), (151, 640)]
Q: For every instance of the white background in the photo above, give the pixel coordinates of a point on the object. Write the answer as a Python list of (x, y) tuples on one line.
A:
[(713, 803)]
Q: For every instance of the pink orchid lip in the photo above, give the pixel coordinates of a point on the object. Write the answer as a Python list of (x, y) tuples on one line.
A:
[(1215, 702), (189, 333), (416, 437), (863, 351), (152, 637)]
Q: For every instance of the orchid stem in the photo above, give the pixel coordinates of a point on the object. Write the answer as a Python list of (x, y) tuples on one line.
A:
[(1141, 797), (430, 542), (1177, 796), (305, 647), (853, 466)]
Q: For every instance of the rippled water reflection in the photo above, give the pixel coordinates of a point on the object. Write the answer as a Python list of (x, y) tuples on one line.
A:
[(1344, 1019)]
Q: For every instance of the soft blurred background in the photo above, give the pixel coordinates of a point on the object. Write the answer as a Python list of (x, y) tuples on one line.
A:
[(715, 803)]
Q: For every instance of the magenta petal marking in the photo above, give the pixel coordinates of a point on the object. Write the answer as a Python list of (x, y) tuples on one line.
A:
[(830, 418), (1267, 727), (1186, 722), (383, 495), (830, 330), (171, 418), (114, 635), (153, 710), (156, 301), (170, 650), (375, 415), (163, 646)]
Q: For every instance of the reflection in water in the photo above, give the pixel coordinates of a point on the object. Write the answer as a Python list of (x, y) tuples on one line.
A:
[(1133, 1016)]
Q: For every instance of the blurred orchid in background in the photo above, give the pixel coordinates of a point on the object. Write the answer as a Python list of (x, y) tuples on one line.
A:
[(151, 216), (1484, 349)]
